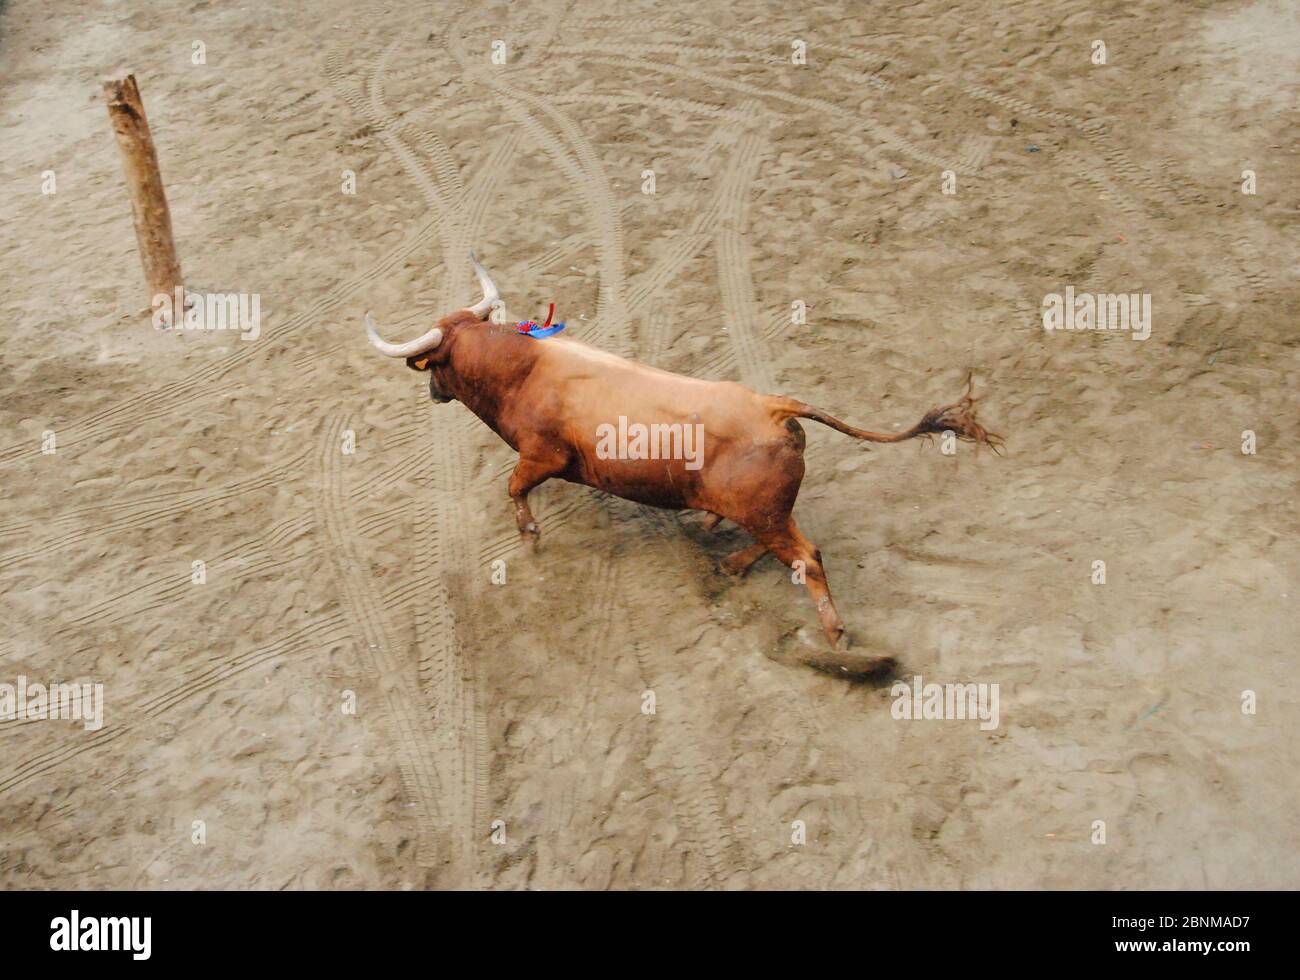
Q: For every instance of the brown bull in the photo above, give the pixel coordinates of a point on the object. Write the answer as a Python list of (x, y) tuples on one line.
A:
[(587, 416)]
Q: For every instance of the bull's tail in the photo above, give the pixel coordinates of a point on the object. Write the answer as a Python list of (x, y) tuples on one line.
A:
[(958, 418)]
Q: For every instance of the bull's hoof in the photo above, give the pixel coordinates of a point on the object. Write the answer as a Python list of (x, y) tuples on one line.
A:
[(729, 566), (738, 563), (531, 534)]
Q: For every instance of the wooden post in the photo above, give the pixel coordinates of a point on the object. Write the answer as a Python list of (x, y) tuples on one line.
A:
[(153, 222)]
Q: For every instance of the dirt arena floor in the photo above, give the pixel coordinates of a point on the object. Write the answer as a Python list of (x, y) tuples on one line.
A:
[(501, 737)]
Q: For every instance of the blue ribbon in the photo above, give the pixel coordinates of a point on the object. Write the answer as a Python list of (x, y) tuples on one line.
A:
[(540, 333)]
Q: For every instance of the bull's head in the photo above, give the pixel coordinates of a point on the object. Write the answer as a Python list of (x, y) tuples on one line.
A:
[(433, 350)]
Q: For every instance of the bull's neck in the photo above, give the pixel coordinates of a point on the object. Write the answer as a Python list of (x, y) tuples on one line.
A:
[(486, 367)]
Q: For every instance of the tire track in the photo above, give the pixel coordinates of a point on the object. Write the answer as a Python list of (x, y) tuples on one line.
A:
[(735, 279), (448, 177), (854, 78), (376, 524), (882, 134), (437, 673), (702, 813), (138, 517), (1105, 188), (686, 247), (586, 175), (199, 384), (780, 41), (262, 552), (307, 640), (740, 313), (577, 161), (414, 463), (1154, 191), (720, 53), (702, 820), (605, 582), (403, 715), (446, 677), (975, 151), (450, 674), (722, 362), (234, 488), (665, 103)]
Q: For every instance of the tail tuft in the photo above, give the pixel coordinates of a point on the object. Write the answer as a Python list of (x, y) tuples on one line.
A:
[(959, 418)]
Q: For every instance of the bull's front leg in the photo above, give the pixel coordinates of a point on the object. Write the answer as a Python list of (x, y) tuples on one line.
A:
[(528, 475)]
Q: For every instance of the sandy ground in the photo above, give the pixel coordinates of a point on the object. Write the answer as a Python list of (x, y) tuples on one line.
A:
[(499, 738)]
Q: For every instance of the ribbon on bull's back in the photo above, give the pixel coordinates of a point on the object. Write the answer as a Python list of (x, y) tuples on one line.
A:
[(529, 328)]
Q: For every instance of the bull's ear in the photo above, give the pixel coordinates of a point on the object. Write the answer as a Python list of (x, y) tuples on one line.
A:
[(420, 362)]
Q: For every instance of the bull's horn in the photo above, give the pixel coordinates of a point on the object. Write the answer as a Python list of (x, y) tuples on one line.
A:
[(490, 293), (418, 346)]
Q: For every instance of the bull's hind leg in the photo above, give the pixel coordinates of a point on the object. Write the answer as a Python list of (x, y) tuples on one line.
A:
[(528, 475), (739, 562), (788, 544)]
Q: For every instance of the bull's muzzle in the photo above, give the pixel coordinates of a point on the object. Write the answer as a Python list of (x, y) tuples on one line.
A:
[(436, 393)]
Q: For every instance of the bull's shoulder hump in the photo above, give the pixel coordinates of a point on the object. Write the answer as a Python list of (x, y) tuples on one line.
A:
[(566, 351)]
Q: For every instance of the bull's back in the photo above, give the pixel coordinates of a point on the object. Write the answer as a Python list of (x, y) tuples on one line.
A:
[(649, 435), (599, 386)]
